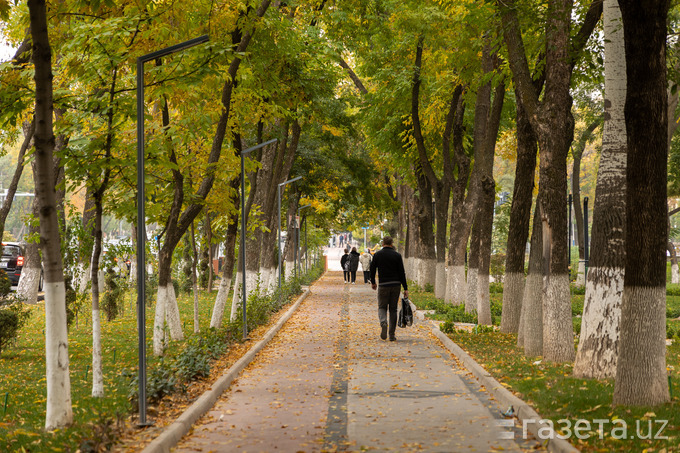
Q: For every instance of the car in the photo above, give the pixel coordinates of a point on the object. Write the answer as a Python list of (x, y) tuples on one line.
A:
[(12, 261)]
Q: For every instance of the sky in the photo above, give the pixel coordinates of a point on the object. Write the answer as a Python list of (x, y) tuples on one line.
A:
[(6, 52)]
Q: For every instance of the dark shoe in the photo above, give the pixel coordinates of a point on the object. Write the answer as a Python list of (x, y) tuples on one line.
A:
[(383, 331), (393, 338)]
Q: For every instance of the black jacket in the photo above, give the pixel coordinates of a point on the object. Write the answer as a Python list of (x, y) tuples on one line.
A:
[(343, 260), (390, 266), (354, 261)]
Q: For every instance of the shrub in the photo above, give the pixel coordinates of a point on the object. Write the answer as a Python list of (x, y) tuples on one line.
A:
[(193, 363), (5, 284), (13, 316), (429, 288), (160, 381), (497, 267), (577, 289), (496, 288), (672, 312), (577, 307), (114, 294), (577, 325)]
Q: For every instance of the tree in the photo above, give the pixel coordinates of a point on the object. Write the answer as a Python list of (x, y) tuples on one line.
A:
[(553, 123), (599, 340), (520, 216), (59, 410), (641, 367)]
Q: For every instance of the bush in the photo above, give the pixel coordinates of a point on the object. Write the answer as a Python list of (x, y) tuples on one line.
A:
[(672, 312), (13, 316), (429, 288), (577, 307), (577, 290), (114, 294), (193, 363), (496, 288), (497, 267), (577, 325), (5, 284)]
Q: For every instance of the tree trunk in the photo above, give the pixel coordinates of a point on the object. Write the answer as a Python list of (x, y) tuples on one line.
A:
[(208, 231), (194, 277), (289, 249), (532, 306), (59, 411), (473, 269), (578, 216), (599, 339), (29, 130), (426, 256), (97, 373), (485, 217), (178, 224), (641, 378), (29, 281), (518, 230), (229, 259)]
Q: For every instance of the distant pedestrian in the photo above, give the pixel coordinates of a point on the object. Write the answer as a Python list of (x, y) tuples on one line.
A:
[(341, 239), (345, 263), (365, 260), (390, 268), (354, 264)]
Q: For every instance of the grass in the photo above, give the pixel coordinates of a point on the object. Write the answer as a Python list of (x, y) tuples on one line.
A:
[(23, 388), (557, 395)]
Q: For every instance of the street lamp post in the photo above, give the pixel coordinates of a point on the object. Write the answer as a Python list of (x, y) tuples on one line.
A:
[(242, 248), (141, 216), (279, 244), (297, 245)]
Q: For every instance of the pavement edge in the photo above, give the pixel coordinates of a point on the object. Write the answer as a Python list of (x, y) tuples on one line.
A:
[(504, 396), (174, 432)]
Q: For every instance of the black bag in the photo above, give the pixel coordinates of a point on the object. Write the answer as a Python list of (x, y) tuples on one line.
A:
[(405, 316)]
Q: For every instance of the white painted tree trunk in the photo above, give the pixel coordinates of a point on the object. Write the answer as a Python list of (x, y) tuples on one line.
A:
[(558, 337), (675, 274), (28, 285), (598, 347), (167, 313), (407, 268), (83, 277), (133, 272), (456, 285), (290, 269), (236, 297), (427, 272), (265, 281), (600, 325), (641, 377), (483, 300), (59, 409), (172, 314), (440, 285), (581, 275), (533, 315), (513, 290), (471, 296), (97, 372), (159, 338), (414, 268), (220, 303)]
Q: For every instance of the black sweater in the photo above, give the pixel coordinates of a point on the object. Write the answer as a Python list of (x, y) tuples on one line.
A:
[(390, 266)]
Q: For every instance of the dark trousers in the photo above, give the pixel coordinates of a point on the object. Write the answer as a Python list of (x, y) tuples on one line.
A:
[(388, 297), (354, 276), (346, 275), (367, 276)]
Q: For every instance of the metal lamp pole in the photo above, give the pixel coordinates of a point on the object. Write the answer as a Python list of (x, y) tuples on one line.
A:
[(298, 263), (141, 216), (279, 244), (242, 247)]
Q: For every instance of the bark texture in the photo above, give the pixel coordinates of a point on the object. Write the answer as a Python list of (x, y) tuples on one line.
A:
[(599, 339), (641, 367), (59, 410)]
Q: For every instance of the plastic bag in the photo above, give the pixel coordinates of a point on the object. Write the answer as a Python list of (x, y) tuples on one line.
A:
[(405, 316)]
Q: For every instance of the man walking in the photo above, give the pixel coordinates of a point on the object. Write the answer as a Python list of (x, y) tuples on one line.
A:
[(390, 267)]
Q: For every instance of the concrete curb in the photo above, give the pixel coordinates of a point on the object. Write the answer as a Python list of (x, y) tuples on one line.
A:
[(505, 397), (173, 433)]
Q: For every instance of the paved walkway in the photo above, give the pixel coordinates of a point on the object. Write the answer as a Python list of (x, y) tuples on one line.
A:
[(328, 383)]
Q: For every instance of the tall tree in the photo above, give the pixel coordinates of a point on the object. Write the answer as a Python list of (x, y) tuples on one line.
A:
[(520, 216), (599, 340), (553, 123), (641, 367), (59, 410)]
